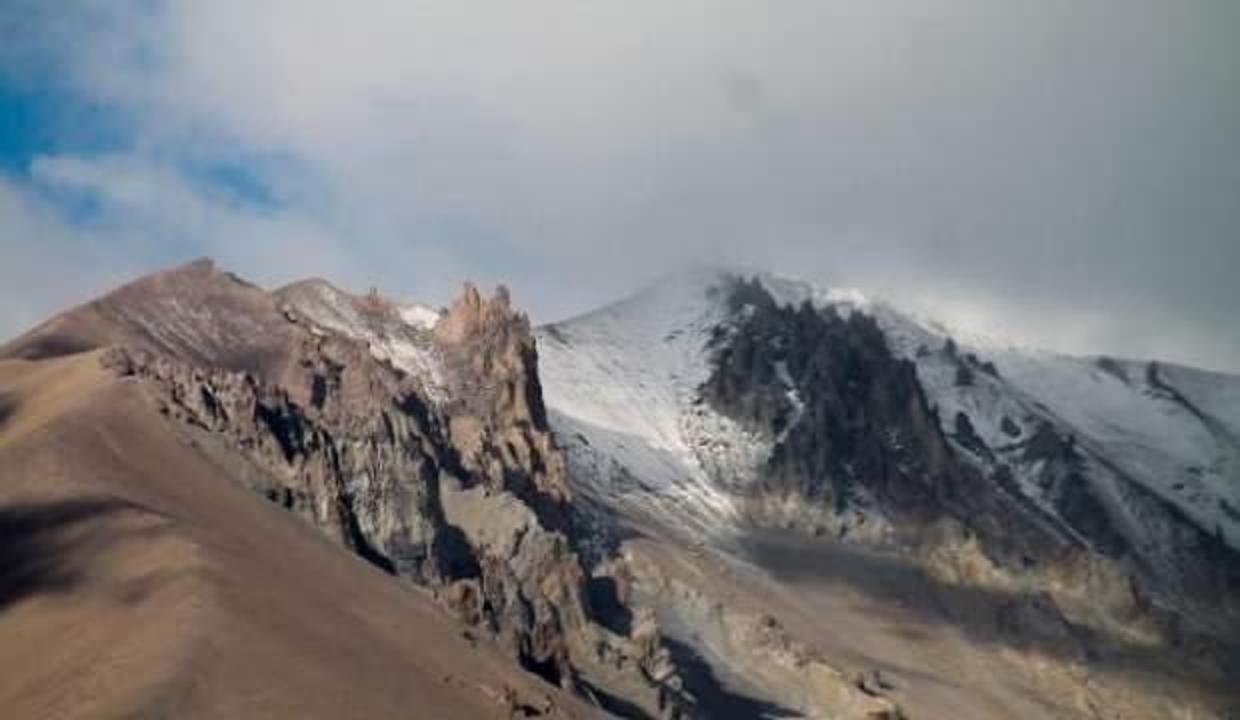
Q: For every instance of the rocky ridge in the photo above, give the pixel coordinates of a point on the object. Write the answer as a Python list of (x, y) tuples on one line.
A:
[(465, 496), (732, 472)]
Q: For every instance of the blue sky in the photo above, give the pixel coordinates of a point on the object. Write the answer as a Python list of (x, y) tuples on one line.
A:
[(1062, 173), (47, 119), (50, 120), (24, 128)]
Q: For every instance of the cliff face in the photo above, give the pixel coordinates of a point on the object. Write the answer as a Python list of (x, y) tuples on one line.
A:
[(342, 445), (496, 413), (454, 484), (851, 431), (847, 421)]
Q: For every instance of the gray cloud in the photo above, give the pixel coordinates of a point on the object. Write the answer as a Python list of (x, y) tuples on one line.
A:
[(1063, 172)]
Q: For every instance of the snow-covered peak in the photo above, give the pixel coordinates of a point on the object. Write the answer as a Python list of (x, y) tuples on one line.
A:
[(621, 386), (787, 291), (622, 383), (905, 326), (417, 315), (1173, 430), (673, 301)]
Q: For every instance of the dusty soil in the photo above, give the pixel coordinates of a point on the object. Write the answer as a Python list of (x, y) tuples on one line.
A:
[(137, 579)]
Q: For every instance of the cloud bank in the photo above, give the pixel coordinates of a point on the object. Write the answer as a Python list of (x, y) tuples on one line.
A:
[(1066, 173)]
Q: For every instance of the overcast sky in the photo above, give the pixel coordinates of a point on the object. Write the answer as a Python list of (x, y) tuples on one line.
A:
[(1063, 172)]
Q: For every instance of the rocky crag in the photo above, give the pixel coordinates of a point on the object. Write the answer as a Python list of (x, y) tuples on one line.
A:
[(453, 484)]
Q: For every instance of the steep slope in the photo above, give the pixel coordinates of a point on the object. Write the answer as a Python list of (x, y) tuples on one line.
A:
[(624, 380), (743, 497), (140, 579), (1009, 509), (194, 312), (422, 447)]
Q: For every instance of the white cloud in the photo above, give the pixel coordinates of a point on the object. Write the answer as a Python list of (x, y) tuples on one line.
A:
[(1040, 155), (45, 265)]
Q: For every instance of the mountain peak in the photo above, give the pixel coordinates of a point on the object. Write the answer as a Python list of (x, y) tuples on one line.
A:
[(192, 311), (471, 314)]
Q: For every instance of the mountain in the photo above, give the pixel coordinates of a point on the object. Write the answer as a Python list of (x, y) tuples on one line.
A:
[(1000, 532), (185, 461), (729, 496)]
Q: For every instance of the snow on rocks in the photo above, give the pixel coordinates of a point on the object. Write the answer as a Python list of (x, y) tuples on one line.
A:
[(622, 386), (1173, 430), (397, 334), (417, 315)]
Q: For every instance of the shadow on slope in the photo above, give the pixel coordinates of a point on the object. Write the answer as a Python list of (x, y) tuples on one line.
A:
[(714, 698), (1022, 621), (45, 546), (8, 407)]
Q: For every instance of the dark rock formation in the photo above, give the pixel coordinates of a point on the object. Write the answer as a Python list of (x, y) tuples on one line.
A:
[(968, 438), (1113, 368), (865, 434), (964, 374), (864, 424)]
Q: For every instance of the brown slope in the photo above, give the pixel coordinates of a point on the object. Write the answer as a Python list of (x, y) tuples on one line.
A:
[(138, 579), (194, 312)]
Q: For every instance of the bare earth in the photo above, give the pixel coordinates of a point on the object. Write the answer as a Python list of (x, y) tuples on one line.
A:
[(137, 579)]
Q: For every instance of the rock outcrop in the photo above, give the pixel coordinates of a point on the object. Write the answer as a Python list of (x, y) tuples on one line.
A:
[(851, 430), (464, 494), (821, 471), (496, 416)]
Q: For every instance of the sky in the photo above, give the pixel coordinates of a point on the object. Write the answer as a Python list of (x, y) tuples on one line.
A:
[(1064, 173)]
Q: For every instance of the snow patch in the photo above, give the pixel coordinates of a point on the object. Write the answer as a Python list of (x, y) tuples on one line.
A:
[(401, 338), (622, 386), (417, 315)]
